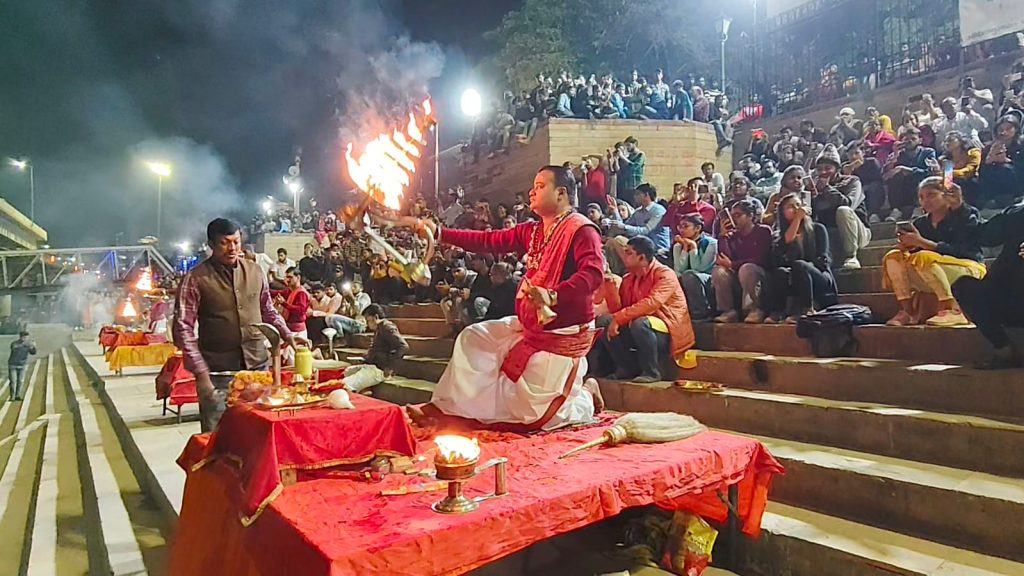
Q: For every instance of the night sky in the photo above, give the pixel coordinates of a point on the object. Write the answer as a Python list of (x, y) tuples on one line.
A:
[(226, 90)]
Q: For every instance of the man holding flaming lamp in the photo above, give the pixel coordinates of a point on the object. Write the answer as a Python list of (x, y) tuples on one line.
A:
[(527, 370)]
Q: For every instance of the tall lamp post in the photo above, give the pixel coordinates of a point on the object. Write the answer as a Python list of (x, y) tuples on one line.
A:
[(162, 170), (293, 182), (723, 31), (471, 104), (23, 165)]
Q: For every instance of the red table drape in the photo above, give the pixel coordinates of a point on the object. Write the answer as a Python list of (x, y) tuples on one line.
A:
[(113, 338), (262, 443), (176, 383), (334, 527)]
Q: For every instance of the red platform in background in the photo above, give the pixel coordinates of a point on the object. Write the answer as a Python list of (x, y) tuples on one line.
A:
[(111, 338), (175, 383), (263, 443), (331, 527)]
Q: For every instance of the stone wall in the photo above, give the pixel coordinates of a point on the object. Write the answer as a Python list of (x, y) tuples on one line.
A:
[(675, 150), (293, 243)]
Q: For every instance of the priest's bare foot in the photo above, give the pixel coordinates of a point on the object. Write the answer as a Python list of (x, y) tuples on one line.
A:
[(424, 414), (594, 388), (418, 416)]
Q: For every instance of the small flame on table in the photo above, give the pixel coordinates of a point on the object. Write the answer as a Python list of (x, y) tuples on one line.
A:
[(128, 309), (452, 449)]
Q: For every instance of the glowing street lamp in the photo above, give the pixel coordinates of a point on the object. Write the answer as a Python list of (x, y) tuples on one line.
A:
[(22, 165), (471, 103), (162, 170)]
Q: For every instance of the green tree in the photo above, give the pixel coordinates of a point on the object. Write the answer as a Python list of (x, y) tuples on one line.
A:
[(610, 36)]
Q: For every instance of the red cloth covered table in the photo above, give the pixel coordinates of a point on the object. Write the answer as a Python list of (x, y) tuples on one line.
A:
[(175, 383), (334, 527), (113, 338), (262, 443)]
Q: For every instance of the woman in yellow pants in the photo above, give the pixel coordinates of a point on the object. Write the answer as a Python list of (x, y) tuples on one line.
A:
[(934, 251)]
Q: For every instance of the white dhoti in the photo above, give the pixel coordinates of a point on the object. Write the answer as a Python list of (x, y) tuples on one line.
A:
[(473, 385), (362, 376)]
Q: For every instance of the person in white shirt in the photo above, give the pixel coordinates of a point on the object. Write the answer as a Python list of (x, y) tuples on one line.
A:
[(965, 121), (348, 317), (280, 267), (451, 213)]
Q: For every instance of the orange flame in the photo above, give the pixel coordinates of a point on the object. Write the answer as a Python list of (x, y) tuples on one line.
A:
[(456, 449), (145, 281), (128, 309), (386, 164)]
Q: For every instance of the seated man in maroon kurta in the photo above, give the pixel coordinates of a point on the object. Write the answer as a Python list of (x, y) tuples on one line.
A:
[(527, 370)]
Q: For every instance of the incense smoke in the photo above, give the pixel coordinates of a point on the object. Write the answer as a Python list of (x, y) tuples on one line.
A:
[(225, 90)]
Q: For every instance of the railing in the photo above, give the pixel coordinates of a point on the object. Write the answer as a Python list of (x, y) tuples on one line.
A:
[(829, 49)]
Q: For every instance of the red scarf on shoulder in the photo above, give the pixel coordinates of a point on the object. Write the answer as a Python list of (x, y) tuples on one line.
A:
[(547, 275)]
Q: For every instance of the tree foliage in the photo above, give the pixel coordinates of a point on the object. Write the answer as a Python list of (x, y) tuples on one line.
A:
[(610, 36)]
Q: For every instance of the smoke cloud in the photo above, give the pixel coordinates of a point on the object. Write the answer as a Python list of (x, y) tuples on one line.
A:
[(224, 90)]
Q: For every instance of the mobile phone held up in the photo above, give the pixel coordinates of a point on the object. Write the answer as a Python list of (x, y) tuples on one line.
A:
[(905, 226), (947, 175)]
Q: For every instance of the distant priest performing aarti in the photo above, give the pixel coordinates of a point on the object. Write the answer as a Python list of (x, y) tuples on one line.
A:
[(527, 370)]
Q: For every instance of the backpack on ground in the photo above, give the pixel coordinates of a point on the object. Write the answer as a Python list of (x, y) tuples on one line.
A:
[(831, 330)]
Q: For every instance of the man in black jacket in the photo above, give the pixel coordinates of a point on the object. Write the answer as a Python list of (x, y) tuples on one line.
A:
[(993, 303), (503, 292), (386, 350), (21, 349)]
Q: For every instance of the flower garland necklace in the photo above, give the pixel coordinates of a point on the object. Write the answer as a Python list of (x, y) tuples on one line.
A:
[(537, 245)]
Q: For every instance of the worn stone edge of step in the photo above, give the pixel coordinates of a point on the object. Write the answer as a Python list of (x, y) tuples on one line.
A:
[(136, 461), (918, 556)]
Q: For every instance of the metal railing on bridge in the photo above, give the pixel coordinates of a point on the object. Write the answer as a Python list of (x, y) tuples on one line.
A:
[(47, 267)]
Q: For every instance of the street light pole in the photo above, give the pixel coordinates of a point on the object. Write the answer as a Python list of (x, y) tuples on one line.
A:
[(437, 164), (162, 170), (159, 202), (31, 193), (723, 30)]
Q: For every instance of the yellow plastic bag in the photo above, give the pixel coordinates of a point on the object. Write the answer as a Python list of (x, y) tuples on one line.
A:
[(689, 545)]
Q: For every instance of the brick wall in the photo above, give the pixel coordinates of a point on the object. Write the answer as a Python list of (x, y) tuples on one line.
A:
[(675, 151)]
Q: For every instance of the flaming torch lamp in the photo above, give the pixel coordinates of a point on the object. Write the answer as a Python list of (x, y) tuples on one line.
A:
[(382, 171), (456, 462)]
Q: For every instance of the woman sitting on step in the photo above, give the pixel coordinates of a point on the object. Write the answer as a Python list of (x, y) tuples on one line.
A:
[(693, 257), (803, 267), (934, 251)]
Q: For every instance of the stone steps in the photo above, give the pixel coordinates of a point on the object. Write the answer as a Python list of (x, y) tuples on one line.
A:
[(961, 345), (939, 387), (970, 510), (64, 507), (799, 542), (435, 327), (956, 346), (968, 442)]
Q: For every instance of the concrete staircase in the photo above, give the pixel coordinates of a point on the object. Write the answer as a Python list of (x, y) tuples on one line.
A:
[(902, 460), (69, 504)]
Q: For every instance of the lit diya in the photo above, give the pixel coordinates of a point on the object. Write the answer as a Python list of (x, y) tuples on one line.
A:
[(456, 462)]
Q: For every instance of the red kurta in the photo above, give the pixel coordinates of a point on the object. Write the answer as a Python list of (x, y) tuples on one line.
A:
[(581, 275)]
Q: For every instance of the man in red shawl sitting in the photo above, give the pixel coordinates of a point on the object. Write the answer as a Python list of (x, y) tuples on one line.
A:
[(527, 370)]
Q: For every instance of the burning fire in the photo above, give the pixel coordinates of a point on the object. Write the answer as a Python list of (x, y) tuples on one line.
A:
[(387, 162), (457, 449), (145, 281), (128, 309)]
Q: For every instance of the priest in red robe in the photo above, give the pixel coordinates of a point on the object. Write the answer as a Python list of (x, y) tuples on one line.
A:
[(527, 370)]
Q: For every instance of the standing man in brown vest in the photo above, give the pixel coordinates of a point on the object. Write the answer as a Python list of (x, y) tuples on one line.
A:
[(226, 295)]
